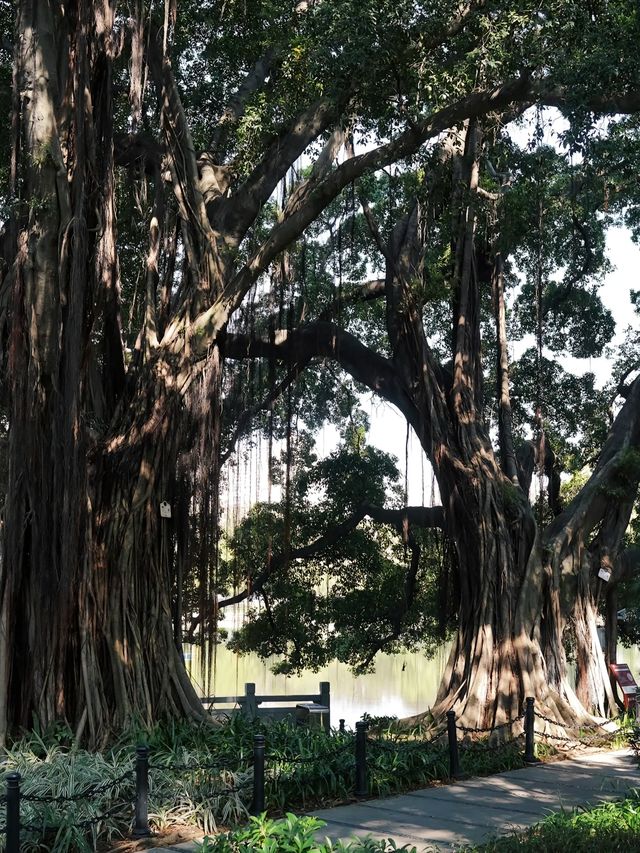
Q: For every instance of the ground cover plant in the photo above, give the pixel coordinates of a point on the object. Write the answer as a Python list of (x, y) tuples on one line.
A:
[(291, 834), (201, 776), (610, 827)]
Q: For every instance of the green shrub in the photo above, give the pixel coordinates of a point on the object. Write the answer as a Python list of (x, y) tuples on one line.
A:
[(201, 776), (291, 834), (606, 828)]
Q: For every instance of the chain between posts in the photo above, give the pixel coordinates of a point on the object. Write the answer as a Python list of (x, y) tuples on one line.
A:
[(559, 738), (13, 797), (490, 730)]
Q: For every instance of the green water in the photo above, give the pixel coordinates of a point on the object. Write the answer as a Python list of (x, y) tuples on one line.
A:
[(401, 684)]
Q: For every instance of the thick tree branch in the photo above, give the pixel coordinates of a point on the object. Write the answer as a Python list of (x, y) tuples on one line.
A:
[(548, 94), (365, 292), (326, 340), (591, 504), (234, 215), (320, 169), (244, 205), (404, 145), (475, 104)]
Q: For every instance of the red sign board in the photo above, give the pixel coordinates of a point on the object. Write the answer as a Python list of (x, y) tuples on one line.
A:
[(626, 681)]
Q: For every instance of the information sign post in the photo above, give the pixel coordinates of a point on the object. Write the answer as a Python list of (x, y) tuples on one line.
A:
[(626, 683)]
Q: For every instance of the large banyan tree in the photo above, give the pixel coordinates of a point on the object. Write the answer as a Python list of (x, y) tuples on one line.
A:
[(166, 166)]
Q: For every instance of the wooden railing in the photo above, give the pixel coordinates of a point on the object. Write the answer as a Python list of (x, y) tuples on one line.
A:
[(253, 705)]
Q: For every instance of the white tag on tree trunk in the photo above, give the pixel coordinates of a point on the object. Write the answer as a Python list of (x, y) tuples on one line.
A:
[(165, 509), (605, 574)]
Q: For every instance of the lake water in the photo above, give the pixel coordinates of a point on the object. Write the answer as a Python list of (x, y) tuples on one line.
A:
[(401, 684)]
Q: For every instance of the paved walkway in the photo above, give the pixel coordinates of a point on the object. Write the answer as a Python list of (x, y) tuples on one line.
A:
[(470, 812), (473, 811)]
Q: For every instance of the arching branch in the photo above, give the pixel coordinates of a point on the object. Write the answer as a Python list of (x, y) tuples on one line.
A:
[(363, 293), (401, 519), (591, 504), (297, 218), (234, 215), (419, 516), (326, 340)]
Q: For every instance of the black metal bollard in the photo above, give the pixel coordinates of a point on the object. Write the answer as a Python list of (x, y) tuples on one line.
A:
[(529, 719), (13, 813), (341, 728), (257, 806), (454, 759), (141, 824), (362, 782)]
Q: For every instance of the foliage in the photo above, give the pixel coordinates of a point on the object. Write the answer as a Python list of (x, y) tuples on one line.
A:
[(305, 768), (614, 827), (330, 604), (291, 834)]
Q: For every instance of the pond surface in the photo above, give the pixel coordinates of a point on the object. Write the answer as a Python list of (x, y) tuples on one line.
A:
[(401, 684)]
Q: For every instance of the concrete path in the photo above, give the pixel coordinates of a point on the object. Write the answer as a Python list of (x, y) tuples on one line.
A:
[(471, 812)]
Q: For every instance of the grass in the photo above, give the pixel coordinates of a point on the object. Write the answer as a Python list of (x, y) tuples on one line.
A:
[(291, 834)]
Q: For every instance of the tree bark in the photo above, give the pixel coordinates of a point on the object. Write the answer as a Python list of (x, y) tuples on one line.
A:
[(83, 533)]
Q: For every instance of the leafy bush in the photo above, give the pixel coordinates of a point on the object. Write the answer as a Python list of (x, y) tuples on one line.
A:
[(610, 827), (291, 834)]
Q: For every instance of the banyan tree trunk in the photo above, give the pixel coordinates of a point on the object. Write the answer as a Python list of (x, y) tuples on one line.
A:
[(482, 678), (497, 658), (87, 634), (106, 653)]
